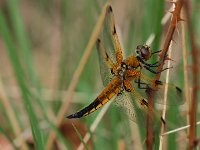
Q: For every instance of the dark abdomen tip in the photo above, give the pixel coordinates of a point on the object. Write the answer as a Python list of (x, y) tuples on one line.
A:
[(70, 116), (76, 115)]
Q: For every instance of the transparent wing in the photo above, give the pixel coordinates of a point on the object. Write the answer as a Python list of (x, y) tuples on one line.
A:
[(106, 64), (124, 104), (109, 49), (174, 93), (110, 24), (105, 72), (107, 36), (131, 105)]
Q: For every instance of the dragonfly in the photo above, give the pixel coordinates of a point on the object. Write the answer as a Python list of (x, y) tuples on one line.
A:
[(122, 77)]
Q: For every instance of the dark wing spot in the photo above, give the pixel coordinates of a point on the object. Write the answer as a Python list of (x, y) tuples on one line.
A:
[(114, 31), (107, 56), (178, 90), (98, 40), (110, 9), (98, 43), (144, 102)]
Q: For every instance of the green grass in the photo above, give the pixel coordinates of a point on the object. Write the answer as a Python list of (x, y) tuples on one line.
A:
[(33, 63), (11, 50), (80, 137)]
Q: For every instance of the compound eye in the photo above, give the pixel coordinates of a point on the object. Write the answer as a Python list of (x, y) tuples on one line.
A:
[(145, 52)]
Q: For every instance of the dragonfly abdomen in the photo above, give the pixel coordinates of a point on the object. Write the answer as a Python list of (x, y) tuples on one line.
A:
[(111, 90), (87, 110), (96, 104)]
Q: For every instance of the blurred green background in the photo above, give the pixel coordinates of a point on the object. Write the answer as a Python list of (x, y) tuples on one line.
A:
[(41, 45)]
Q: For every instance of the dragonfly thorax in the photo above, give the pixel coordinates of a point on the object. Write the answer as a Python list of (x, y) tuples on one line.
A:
[(131, 62), (127, 65)]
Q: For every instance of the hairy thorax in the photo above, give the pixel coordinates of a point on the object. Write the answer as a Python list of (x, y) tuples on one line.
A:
[(129, 69)]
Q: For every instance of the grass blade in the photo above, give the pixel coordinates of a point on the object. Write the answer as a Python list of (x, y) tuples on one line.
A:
[(80, 137), (11, 51)]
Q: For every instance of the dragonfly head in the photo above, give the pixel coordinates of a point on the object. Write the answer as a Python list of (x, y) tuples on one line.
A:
[(143, 51)]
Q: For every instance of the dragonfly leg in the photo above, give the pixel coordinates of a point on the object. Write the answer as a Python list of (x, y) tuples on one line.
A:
[(156, 72), (149, 90), (139, 83), (156, 52), (156, 64)]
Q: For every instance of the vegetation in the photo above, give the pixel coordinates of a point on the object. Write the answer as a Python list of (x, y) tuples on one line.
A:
[(49, 68)]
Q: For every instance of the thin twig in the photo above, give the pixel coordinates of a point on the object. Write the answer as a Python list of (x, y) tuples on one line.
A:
[(195, 71), (77, 74), (178, 129), (167, 16), (171, 29), (165, 98), (185, 67)]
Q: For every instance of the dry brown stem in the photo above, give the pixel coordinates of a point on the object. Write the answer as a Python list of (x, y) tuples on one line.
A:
[(195, 62), (169, 37), (11, 116)]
